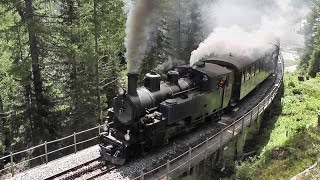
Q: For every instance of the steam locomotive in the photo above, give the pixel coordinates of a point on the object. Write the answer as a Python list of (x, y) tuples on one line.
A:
[(147, 117)]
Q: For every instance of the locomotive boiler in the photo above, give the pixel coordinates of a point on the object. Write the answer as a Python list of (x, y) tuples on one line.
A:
[(146, 117)]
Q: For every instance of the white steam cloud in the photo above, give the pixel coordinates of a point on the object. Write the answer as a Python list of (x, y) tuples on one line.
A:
[(139, 26), (169, 64), (244, 27)]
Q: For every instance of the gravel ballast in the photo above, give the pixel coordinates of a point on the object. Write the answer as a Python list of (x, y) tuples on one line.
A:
[(58, 165)]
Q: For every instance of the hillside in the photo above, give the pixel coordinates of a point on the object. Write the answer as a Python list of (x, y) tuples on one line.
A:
[(289, 142)]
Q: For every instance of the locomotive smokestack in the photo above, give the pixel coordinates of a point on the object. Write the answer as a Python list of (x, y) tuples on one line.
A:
[(132, 84)]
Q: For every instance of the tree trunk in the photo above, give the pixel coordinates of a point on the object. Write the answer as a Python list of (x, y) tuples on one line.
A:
[(41, 111), (96, 48), (74, 81), (29, 106), (4, 128), (1, 113)]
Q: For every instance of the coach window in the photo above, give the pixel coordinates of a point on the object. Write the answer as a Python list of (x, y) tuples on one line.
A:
[(257, 67), (253, 71), (243, 76), (247, 74), (226, 82)]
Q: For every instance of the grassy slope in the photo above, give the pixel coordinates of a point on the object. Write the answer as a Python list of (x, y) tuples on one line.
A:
[(293, 144)]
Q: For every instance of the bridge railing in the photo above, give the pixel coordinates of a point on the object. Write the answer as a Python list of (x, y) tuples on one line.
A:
[(201, 151), (54, 149)]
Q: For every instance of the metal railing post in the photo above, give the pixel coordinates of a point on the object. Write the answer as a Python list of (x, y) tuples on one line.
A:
[(99, 129), (233, 129), (46, 150), (242, 129), (75, 141), (189, 168), (11, 164), (220, 145), (168, 169), (271, 99), (207, 147), (251, 116), (142, 176)]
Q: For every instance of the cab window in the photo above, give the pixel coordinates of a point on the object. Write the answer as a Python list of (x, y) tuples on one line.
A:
[(221, 83)]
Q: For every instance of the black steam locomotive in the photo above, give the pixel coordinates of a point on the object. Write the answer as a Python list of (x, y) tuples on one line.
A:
[(147, 117)]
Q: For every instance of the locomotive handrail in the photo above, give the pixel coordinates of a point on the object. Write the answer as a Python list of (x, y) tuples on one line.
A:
[(44, 146), (185, 91), (264, 103)]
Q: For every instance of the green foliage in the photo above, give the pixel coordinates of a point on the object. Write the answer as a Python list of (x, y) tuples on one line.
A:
[(66, 32), (314, 62), (294, 142), (310, 60), (291, 84), (245, 169)]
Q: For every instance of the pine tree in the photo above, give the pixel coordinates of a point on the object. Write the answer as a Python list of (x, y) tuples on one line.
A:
[(310, 59)]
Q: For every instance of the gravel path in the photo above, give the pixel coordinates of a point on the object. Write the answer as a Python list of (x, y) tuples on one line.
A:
[(56, 166)]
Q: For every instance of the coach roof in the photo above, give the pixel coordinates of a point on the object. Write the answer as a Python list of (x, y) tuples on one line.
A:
[(238, 62), (212, 70)]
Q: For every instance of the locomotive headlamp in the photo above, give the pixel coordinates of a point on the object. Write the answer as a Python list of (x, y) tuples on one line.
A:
[(127, 136), (121, 91)]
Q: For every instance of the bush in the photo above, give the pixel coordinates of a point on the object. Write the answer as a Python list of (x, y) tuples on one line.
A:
[(291, 84), (297, 91), (244, 171)]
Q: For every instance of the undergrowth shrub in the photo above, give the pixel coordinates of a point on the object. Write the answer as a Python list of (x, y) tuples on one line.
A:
[(297, 91), (291, 84)]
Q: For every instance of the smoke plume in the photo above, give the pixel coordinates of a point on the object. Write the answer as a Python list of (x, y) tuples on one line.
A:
[(244, 27), (169, 64), (140, 24)]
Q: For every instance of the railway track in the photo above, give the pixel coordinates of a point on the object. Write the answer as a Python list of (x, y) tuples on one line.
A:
[(89, 170)]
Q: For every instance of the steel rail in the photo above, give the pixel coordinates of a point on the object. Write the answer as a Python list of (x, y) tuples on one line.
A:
[(73, 169)]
